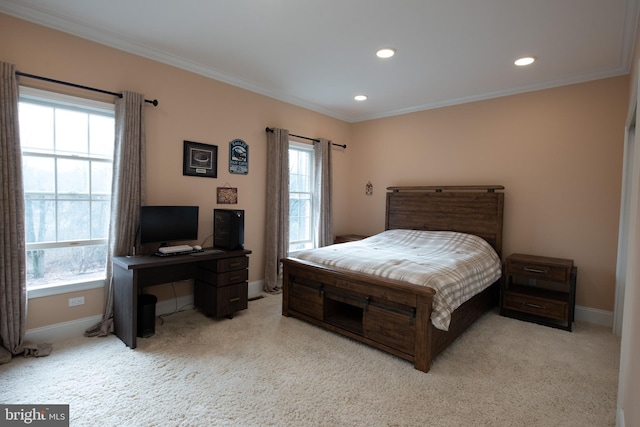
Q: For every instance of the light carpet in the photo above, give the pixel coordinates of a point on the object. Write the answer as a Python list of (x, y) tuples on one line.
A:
[(263, 369)]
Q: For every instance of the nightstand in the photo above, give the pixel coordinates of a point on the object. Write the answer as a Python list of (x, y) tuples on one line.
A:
[(348, 238), (539, 289)]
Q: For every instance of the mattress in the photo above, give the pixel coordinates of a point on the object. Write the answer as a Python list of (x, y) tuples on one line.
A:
[(456, 265)]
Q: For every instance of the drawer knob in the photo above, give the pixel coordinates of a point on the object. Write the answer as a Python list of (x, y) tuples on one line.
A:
[(236, 299), (535, 270)]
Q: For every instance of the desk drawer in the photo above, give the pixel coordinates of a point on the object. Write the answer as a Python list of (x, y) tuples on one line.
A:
[(220, 301), (226, 264), (231, 299), (553, 309), (222, 279)]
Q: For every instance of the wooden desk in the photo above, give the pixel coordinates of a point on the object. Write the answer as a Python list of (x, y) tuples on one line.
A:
[(131, 274)]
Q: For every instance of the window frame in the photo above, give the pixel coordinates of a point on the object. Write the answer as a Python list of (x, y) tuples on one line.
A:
[(49, 98), (301, 146)]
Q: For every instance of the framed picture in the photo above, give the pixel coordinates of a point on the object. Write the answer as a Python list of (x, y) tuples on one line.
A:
[(200, 160), (227, 195), (238, 157)]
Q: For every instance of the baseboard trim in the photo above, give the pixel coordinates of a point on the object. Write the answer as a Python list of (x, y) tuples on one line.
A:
[(620, 418), (256, 288), (594, 316), (64, 331), (61, 331)]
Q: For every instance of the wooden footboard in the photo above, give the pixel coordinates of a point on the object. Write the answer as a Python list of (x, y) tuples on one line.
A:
[(386, 314)]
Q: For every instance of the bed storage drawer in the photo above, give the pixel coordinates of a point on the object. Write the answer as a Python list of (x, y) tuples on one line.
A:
[(392, 329), (307, 299)]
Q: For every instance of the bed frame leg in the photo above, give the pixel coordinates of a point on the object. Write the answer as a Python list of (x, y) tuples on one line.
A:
[(422, 361)]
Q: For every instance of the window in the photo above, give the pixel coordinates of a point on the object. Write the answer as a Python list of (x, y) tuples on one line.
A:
[(301, 233), (67, 156)]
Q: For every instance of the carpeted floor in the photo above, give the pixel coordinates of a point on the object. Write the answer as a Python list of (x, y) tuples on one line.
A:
[(263, 369)]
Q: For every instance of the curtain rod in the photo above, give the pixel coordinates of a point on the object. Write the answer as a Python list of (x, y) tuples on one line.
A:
[(310, 139), (47, 79)]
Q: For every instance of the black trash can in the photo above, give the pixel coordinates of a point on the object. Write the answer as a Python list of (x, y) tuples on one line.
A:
[(146, 315)]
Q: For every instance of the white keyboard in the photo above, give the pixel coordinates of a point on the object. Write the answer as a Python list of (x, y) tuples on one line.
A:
[(175, 249)]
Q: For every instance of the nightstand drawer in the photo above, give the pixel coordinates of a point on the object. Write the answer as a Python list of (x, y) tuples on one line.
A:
[(553, 309), (539, 271)]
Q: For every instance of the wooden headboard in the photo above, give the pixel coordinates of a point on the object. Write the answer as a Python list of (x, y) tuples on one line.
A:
[(467, 209)]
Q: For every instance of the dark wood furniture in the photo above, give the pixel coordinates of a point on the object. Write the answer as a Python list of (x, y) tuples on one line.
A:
[(344, 238), (132, 274), (221, 286), (539, 289), (391, 315)]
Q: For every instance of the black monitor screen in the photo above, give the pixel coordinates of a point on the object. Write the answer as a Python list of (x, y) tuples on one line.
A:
[(163, 224)]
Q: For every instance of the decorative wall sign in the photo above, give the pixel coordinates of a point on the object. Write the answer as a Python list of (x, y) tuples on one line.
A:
[(200, 160), (238, 157), (227, 195)]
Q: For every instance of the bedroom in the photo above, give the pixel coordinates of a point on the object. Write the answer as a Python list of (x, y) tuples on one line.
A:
[(562, 176)]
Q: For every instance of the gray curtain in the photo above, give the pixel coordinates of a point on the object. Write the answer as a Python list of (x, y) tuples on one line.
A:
[(277, 224), (13, 282), (13, 278), (323, 220), (128, 192)]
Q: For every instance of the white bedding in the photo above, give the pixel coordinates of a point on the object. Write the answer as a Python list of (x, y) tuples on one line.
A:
[(456, 265)]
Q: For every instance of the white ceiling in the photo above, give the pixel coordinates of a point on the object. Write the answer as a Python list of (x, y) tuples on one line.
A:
[(318, 54)]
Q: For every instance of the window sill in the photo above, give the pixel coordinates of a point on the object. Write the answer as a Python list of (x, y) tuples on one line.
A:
[(57, 289)]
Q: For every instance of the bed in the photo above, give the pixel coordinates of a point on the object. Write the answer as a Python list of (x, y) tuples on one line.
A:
[(398, 312)]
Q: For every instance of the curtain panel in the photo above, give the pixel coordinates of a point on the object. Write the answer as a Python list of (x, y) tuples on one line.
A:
[(277, 217), (127, 193), (323, 192), (13, 276), (13, 282)]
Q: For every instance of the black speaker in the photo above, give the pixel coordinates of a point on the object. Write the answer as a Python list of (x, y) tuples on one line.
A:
[(228, 229)]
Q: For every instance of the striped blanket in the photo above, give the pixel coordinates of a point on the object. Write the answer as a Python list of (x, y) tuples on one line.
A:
[(456, 265)]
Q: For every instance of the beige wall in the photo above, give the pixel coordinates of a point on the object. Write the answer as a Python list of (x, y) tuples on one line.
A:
[(558, 152), (191, 107)]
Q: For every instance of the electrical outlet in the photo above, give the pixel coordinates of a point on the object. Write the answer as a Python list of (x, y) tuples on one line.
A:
[(76, 301)]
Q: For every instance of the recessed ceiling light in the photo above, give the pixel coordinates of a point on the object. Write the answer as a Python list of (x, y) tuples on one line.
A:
[(360, 97), (387, 52), (527, 60)]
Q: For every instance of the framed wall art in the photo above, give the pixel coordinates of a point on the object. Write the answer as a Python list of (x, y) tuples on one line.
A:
[(238, 157), (227, 195), (200, 160)]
